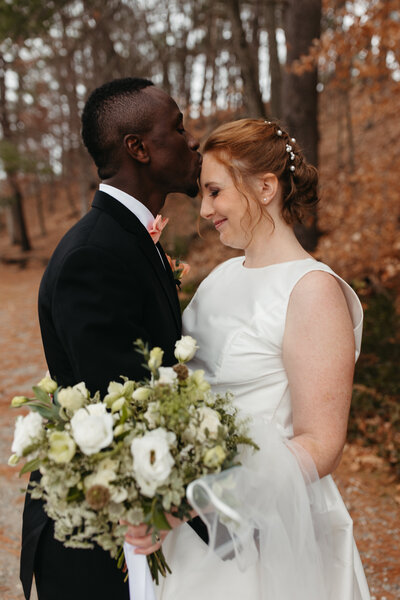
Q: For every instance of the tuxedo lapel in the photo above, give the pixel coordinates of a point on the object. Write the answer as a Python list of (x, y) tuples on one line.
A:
[(131, 223), (170, 276)]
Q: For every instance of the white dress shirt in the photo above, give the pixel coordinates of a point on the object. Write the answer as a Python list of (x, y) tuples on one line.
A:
[(137, 208)]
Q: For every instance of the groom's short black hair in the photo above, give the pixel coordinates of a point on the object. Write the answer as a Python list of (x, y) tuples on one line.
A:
[(111, 111)]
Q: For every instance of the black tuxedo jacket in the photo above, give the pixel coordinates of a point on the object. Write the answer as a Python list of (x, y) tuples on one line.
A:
[(104, 287)]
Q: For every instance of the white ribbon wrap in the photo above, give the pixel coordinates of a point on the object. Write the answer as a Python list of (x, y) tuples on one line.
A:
[(141, 586)]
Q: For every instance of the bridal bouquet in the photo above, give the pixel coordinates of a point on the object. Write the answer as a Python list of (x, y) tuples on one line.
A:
[(128, 456)]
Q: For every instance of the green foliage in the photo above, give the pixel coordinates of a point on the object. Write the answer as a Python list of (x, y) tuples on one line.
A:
[(375, 410), (26, 18), (14, 161), (378, 367)]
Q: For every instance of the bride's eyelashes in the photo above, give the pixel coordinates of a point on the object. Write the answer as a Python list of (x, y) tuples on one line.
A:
[(214, 193)]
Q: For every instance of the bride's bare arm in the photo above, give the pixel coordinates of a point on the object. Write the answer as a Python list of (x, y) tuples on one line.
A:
[(318, 354)]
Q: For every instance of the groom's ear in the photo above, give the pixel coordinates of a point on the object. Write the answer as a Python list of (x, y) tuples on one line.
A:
[(136, 148)]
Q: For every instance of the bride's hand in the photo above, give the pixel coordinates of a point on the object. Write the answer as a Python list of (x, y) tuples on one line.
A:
[(138, 535)]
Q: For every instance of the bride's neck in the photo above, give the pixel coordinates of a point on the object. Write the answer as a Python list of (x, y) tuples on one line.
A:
[(269, 246)]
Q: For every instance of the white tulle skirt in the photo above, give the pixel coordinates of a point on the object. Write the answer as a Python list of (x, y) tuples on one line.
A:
[(276, 531)]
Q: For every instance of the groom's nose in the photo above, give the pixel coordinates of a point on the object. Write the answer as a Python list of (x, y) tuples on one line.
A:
[(192, 142)]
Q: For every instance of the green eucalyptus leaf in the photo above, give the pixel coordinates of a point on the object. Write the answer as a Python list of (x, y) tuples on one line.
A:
[(158, 518), (42, 395), (31, 465)]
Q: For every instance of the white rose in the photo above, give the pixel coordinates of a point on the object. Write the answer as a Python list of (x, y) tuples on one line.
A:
[(190, 433), (102, 477), (198, 379), (141, 394), (115, 392), (152, 460), (73, 398), (214, 457), (92, 428), (28, 430), (48, 385), (13, 460), (115, 389), (62, 447), (209, 419), (118, 404), (167, 376), (118, 494), (155, 359), (152, 414), (185, 348), (18, 401)]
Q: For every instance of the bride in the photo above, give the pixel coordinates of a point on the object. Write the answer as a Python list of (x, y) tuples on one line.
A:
[(279, 330)]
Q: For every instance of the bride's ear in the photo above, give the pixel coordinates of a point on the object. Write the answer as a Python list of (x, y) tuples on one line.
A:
[(269, 187)]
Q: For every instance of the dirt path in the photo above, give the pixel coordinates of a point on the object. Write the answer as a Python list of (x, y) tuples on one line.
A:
[(367, 487)]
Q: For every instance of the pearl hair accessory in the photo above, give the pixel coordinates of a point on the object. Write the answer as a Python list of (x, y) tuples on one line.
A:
[(289, 150)]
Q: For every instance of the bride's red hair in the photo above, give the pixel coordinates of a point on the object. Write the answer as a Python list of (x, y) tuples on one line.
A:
[(251, 147)]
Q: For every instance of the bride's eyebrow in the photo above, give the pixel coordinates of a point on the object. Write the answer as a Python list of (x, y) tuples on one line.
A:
[(208, 183)]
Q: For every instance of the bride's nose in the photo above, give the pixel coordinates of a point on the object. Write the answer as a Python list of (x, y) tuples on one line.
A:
[(207, 208)]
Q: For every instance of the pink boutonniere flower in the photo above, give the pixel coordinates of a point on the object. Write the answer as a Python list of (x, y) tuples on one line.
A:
[(179, 268), (156, 228)]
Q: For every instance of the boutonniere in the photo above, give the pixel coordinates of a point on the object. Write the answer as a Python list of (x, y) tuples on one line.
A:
[(155, 229), (179, 269)]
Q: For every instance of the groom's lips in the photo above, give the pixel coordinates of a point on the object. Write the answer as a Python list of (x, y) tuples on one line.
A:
[(219, 222)]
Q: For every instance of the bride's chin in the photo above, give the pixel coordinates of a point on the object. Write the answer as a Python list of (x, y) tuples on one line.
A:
[(236, 245)]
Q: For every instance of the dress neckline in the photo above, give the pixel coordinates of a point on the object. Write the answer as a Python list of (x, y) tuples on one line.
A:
[(286, 262)]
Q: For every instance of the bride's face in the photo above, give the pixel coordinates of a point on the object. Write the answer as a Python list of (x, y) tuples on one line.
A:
[(225, 205)]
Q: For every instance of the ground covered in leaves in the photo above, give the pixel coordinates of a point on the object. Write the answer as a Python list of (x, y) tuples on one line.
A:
[(366, 481)]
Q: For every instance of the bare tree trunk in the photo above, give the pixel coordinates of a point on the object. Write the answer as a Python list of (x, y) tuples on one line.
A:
[(39, 208), (300, 108), (252, 92), (17, 211), (339, 133), (274, 64), (349, 129)]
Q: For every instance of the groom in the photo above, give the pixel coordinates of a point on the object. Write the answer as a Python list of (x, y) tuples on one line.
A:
[(106, 285)]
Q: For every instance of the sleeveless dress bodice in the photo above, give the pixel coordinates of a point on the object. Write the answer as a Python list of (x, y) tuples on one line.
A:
[(238, 318)]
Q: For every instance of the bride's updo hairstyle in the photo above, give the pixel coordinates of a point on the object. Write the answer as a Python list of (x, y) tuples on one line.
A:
[(252, 147)]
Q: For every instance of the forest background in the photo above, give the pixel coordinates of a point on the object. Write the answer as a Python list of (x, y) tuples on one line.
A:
[(329, 70)]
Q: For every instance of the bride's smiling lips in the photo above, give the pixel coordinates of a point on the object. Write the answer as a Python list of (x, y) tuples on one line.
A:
[(219, 222)]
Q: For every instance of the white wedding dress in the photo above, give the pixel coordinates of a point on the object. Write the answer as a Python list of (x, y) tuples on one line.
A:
[(304, 547)]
